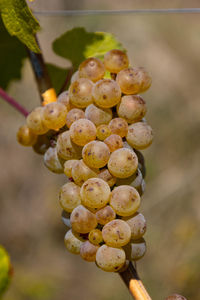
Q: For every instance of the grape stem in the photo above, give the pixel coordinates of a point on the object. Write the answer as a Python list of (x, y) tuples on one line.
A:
[(13, 103), (134, 284), (67, 80)]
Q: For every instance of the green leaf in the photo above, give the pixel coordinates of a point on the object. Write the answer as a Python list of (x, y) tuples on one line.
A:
[(12, 54), (20, 22), (78, 44), (5, 268), (57, 75)]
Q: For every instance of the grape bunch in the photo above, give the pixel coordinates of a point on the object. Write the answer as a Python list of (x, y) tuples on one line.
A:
[(93, 134)]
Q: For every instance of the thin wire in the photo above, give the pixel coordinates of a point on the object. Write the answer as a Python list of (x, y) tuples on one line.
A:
[(55, 13)]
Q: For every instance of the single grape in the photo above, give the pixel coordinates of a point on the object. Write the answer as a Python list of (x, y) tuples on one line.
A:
[(25, 136), (42, 144), (103, 131), (73, 242), (74, 115), (106, 93), (95, 236), (118, 126), (64, 99), (175, 297), (110, 259), (82, 220), (82, 132), (107, 176), (133, 80), (75, 76), (52, 161), (98, 115), (81, 172), (135, 250), (105, 215), (66, 148), (54, 115), (114, 142), (80, 92), (66, 219), (122, 163), (135, 180), (140, 135), (88, 251), (95, 193), (35, 121), (116, 233), (68, 166), (115, 61), (137, 224), (69, 196), (92, 68), (125, 200), (132, 108), (96, 154)]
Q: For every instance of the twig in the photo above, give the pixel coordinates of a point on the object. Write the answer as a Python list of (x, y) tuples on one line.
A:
[(68, 77), (13, 102)]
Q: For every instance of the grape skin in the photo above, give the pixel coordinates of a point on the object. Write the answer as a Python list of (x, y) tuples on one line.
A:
[(107, 176), (72, 242), (35, 121), (135, 250), (95, 193), (75, 76), (135, 180), (114, 142), (140, 135), (95, 236), (175, 297), (68, 166), (63, 98), (69, 196), (115, 61), (105, 215), (88, 251), (82, 220), (106, 93), (103, 131), (92, 68), (116, 233), (81, 172), (122, 163), (74, 115), (66, 219), (98, 115), (118, 126), (52, 162), (66, 149), (25, 136), (82, 132), (96, 154), (110, 259), (42, 144), (137, 224), (125, 200), (54, 115), (80, 92)]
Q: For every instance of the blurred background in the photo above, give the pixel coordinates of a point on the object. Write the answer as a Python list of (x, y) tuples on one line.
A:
[(31, 229)]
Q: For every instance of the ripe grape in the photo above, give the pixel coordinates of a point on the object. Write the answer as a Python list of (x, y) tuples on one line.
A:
[(68, 166), (66, 219), (81, 172), (73, 242), (105, 215), (82, 220), (140, 135), (92, 68), (132, 108), (137, 224), (95, 193), (96, 154), (125, 200), (69, 196), (135, 180), (135, 250), (64, 99), (42, 144), (122, 163), (66, 148), (25, 136), (106, 93), (114, 142), (107, 176), (52, 161), (103, 131), (74, 115), (80, 92), (35, 121), (110, 259), (98, 115), (88, 251), (133, 80), (95, 236), (115, 61), (75, 76), (54, 115), (175, 297), (82, 132), (116, 233), (119, 126)]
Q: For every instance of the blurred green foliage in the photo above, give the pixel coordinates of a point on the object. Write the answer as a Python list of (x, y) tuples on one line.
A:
[(5, 268)]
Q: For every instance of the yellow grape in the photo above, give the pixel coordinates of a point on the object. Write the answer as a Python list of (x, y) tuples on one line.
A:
[(103, 131), (140, 135), (95, 236), (119, 126), (54, 115), (74, 115), (63, 98), (95, 193), (66, 148), (107, 176), (81, 172), (82, 132), (69, 196), (135, 250), (75, 76), (52, 161), (73, 242), (115, 60), (122, 163), (25, 136), (110, 259), (35, 121), (137, 224), (96, 154), (116, 233), (82, 220), (80, 92), (114, 142), (98, 115), (92, 68), (133, 80), (125, 200), (106, 93), (105, 215), (68, 166), (88, 251)]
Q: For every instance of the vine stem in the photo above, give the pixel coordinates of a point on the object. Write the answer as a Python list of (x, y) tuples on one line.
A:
[(13, 103)]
